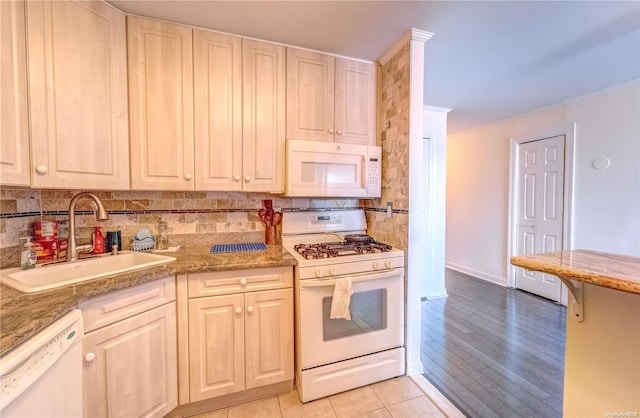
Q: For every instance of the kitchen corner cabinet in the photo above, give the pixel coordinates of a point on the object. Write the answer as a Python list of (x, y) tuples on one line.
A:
[(330, 99), (78, 95), (239, 89), (130, 360), (240, 331), (14, 116), (160, 105)]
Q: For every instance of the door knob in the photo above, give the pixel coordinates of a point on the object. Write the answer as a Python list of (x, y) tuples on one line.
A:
[(42, 169), (249, 309), (89, 357), (238, 310), (187, 176)]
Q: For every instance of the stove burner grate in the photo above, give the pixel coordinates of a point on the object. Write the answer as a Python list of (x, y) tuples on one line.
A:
[(340, 249)]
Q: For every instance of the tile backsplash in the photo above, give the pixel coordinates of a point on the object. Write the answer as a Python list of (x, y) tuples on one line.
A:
[(211, 217)]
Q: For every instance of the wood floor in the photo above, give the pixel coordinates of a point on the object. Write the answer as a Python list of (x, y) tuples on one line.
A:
[(493, 351)]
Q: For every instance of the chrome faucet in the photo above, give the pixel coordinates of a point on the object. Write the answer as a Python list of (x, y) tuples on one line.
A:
[(101, 215)]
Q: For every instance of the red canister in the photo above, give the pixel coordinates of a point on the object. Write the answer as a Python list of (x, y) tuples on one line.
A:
[(45, 230)]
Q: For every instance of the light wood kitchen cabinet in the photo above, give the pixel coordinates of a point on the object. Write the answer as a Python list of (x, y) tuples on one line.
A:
[(14, 116), (78, 95), (330, 99), (263, 99), (239, 338), (239, 89), (218, 110), (130, 360), (160, 105)]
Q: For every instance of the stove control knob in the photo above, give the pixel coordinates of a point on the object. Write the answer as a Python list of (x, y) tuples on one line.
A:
[(388, 264), (376, 265), (333, 271), (318, 272)]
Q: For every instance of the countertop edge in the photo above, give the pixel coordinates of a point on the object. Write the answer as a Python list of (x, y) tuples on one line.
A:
[(613, 271)]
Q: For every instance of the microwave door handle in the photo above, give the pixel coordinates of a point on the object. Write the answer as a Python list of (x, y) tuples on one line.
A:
[(354, 279)]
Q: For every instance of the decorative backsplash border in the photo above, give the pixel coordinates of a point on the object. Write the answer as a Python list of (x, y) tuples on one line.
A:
[(178, 211)]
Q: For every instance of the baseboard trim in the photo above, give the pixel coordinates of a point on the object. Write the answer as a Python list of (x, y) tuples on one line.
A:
[(414, 368), (478, 274), (436, 296)]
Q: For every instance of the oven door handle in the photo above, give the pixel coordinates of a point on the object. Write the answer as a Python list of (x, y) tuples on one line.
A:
[(354, 278)]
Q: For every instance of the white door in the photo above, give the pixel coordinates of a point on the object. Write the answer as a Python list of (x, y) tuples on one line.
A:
[(540, 210)]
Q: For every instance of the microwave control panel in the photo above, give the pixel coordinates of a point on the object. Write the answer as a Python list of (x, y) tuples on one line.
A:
[(374, 171)]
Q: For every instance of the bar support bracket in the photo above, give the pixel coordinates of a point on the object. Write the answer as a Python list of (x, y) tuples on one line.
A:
[(576, 302)]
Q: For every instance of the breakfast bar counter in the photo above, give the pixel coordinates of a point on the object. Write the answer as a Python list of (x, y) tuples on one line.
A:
[(602, 359), (614, 271)]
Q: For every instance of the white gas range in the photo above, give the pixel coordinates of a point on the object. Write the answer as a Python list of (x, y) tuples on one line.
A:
[(334, 354)]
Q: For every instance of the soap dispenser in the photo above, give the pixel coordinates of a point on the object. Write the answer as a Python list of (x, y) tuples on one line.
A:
[(28, 257)]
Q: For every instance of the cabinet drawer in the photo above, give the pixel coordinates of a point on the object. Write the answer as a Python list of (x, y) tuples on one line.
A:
[(238, 281), (105, 310)]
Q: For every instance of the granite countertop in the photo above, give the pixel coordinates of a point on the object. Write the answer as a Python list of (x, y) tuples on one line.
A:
[(615, 271), (24, 314)]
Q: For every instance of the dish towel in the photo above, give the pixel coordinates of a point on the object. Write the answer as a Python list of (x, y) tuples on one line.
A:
[(341, 299)]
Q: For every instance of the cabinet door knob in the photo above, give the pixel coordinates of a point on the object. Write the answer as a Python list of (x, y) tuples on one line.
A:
[(236, 178), (330, 130), (247, 178), (339, 131), (238, 310), (250, 309), (89, 357), (187, 176), (42, 169), (243, 281)]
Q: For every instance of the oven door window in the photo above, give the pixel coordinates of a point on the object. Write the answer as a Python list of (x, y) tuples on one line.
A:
[(368, 314)]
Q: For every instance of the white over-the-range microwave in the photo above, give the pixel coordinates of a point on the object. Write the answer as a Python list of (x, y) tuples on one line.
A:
[(329, 169)]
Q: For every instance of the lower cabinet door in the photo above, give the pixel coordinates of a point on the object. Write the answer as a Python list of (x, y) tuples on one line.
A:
[(216, 346), (269, 337), (130, 367)]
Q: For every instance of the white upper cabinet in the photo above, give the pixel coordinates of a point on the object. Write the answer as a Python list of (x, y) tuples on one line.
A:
[(263, 136), (78, 95), (330, 99), (218, 110), (14, 116), (161, 105)]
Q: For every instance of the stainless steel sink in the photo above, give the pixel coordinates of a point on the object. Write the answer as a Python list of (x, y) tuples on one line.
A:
[(62, 274)]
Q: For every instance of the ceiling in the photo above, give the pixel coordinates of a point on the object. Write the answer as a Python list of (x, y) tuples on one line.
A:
[(488, 60)]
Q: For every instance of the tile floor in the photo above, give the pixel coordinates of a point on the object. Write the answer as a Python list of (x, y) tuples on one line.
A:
[(396, 398)]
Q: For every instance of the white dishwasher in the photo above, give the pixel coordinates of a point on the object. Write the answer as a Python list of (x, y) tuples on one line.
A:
[(42, 377)]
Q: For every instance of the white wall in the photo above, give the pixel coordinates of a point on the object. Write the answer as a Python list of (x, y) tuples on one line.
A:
[(606, 202)]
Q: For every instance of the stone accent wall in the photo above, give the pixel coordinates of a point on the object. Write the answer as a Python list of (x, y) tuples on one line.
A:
[(214, 217), (394, 89)]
